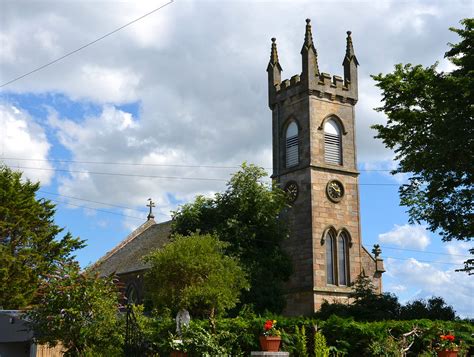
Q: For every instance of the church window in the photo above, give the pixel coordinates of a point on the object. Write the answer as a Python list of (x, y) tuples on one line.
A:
[(292, 155), (330, 253), (337, 257), (332, 143), (131, 294), (342, 257)]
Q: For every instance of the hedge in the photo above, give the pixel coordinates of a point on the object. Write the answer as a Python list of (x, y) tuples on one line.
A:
[(239, 336)]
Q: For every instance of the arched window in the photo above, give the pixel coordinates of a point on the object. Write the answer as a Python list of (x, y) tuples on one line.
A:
[(342, 256), (332, 143), (337, 258), (131, 294), (292, 155), (330, 254)]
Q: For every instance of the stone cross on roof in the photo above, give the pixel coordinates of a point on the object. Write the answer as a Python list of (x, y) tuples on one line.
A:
[(151, 204)]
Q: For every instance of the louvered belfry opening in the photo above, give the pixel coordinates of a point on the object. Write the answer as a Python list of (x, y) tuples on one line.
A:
[(332, 143), (292, 155)]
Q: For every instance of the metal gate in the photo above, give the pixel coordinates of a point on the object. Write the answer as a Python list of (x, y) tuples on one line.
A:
[(134, 342)]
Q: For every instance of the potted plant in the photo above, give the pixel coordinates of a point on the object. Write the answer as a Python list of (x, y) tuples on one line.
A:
[(271, 337), (446, 347)]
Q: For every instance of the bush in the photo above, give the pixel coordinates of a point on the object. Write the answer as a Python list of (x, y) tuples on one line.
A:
[(344, 336)]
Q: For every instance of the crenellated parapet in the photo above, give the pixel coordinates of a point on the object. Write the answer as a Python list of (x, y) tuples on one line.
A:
[(312, 81)]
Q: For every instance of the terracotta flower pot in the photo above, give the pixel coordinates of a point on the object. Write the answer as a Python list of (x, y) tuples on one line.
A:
[(176, 353), (270, 343), (447, 353)]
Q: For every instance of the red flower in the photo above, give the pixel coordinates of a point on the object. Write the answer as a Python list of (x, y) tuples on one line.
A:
[(449, 337), (268, 325)]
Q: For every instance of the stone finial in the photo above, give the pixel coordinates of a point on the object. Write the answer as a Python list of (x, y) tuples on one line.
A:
[(376, 251), (150, 204), (274, 55), (308, 36), (309, 59), (350, 54)]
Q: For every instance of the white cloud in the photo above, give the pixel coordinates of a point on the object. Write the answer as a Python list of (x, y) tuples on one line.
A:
[(21, 137), (406, 236), (424, 280)]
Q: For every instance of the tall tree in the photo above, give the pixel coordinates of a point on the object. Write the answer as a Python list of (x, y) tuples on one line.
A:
[(29, 247), (431, 128), (246, 216), (192, 272)]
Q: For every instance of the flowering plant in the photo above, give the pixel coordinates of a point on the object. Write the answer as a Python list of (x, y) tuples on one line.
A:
[(446, 342), (269, 328)]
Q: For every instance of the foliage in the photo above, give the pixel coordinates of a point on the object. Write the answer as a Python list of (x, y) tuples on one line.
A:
[(270, 328), (80, 310), (344, 336), (246, 216), (435, 309), (301, 349), (29, 248), (197, 341), (193, 273), (430, 126), (320, 347), (370, 306)]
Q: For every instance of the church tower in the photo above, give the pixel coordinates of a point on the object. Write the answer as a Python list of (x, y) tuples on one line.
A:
[(314, 160)]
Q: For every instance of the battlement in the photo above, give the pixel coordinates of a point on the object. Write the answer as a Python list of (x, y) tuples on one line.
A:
[(332, 88), (311, 81)]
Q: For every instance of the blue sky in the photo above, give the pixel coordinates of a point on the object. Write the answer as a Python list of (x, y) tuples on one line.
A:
[(185, 88)]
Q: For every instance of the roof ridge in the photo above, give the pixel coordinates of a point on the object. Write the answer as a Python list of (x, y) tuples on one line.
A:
[(123, 243)]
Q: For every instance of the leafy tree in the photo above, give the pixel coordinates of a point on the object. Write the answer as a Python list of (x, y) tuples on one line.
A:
[(435, 309), (80, 310), (193, 273), (430, 126), (246, 216), (29, 248)]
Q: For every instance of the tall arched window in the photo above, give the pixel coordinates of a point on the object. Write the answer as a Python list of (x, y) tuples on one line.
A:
[(292, 155), (342, 256), (332, 142), (337, 258), (330, 242)]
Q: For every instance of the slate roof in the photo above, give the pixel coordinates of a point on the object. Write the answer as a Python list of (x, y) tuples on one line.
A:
[(127, 256)]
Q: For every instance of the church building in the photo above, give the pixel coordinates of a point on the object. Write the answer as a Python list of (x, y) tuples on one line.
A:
[(314, 161)]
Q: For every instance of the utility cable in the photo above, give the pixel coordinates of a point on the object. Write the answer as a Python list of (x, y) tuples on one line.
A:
[(95, 209), (85, 46), (422, 251), (150, 164), (160, 177), (92, 201)]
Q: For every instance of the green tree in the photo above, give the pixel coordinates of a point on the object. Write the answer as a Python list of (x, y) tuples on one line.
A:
[(80, 310), (247, 216), (29, 248), (434, 309), (193, 273), (431, 128)]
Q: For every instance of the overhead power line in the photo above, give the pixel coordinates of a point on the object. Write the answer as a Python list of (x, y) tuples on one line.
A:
[(159, 177), (423, 261), (151, 164), (124, 175), (92, 201), (85, 46), (422, 251), (95, 209)]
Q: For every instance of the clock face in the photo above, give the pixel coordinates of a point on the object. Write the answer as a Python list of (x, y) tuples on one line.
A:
[(335, 190), (291, 190)]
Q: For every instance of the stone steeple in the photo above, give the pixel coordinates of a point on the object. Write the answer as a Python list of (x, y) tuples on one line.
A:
[(350, 64), (309, 59), (274, 72)]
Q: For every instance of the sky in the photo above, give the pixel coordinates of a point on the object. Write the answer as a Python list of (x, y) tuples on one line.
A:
[(171, 105)]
